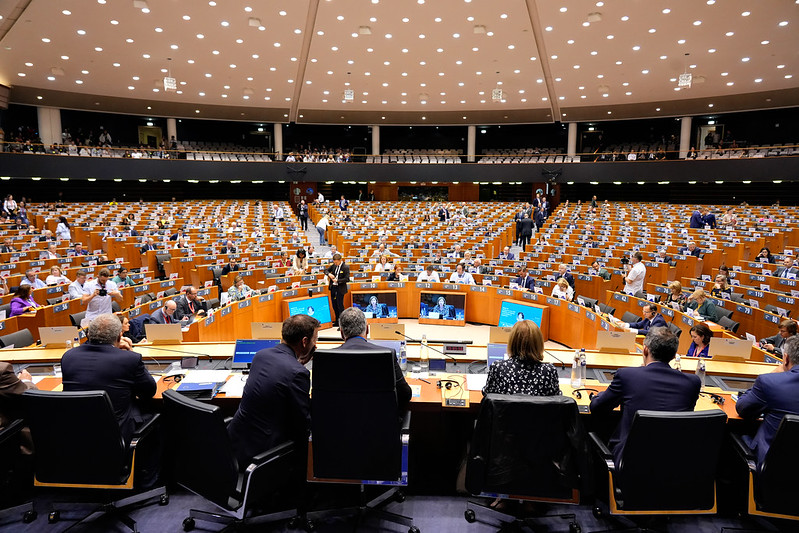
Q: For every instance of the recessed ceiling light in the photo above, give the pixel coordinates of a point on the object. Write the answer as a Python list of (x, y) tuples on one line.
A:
[(79, 82), (456, 35), (511, 46), (745, 14), (783, 23), (21, 74), (594, 52), (281, 13), (128, 40), (730, 83), (548, 28), (609, 37), (65, 57), (645, 71), (84, 71), (503, 16), (681, 41), (66, 12), (697, 23), (135, 78), (340, 17), (730, 33), (277, 45), (190, 61), (725, 73), (45, 40), (80, 32), (114, 22), (186, 17), (586, 24), (664, 57), (652, 30), (388, 36), (570, 41), (744, 59), (131, 87), (200, 36), (564, 9), (146, 56), (758, 80), (173, 46), (159, 30), (636, 47), (780, 66), (788, 76), (711, 51)]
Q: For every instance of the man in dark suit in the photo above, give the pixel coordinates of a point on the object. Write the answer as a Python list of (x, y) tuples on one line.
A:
[(11, 388), (190, 303), (652, 319), (276, 405), (338, 275), (773, 395), (696, 220), (354, 331), (563, 272), (775, 343), (507, 254), (7, 246), (655, 386), (100, 364), (708, 218), (443, 213), (166, 314), (691, 249), (149, 246), (525, 230), (228, 248), (525, 280), (787, 268)]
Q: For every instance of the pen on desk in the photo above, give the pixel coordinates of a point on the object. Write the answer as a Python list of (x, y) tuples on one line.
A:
[(420, 379)]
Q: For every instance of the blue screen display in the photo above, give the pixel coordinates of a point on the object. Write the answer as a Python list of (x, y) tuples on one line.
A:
[(376, 305), (445, 306), (512, 312), (247, 348), (317, 307)]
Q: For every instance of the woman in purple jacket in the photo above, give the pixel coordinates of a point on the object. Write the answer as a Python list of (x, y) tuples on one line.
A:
[(22, 302)]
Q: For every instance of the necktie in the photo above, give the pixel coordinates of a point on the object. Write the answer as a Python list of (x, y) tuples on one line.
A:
[(191, 306), (168, 320)]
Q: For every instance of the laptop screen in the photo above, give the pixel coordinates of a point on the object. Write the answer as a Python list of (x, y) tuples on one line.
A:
[(396, 345), (496, 352), (247, 348)]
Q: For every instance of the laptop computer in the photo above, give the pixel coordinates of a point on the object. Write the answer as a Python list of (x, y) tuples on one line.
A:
[(246, 349), (163, 333), (726, 349), (57, 336), (385, 331), (496, 352), (615, 341), (266, 330)]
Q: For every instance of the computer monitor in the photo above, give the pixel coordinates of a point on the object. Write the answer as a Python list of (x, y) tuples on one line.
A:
[(725, 349), (615, 341), (511, 312), (496, 352), (246, 349), (376, 304), (163, 333), (442, 308), (316, 306)]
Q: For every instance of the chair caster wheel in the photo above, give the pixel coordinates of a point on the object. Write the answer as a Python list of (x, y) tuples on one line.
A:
[(164, 499), (29, 516), (574, 527), (597, 512), (188, 524), (470, 516), (309, 526), (399, 497), (413, 529), (53, 517)]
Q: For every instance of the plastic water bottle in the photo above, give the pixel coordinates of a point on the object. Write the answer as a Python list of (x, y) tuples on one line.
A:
[(403, 357), (575, 378), (677, 363), (583, 367), (700, 371), (424, 355)]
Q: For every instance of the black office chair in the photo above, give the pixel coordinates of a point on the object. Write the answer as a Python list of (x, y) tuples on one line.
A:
[(774, 310), (77, 318), (729, 324), (145, 298), (608, 310), (640, 294), (721, 312), (201, 458), (160, 260), (674, 328), (773, 491), (642, 486), (630, 317), (353, 390), (589, 302), (530, 447), (115, 307), (737, 298), (6, 308), (170, 292), (213, 303), (12, 481), (18, 339), (54, 301), (79, 446)]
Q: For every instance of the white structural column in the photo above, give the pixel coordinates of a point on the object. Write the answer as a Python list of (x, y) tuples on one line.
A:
[(171, 130), (278, 141), (471, 143), (685, 136), (49, 125), (375, 140), (571, 147)]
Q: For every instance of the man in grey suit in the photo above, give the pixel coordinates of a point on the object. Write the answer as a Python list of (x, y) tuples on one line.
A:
[(786, 268)]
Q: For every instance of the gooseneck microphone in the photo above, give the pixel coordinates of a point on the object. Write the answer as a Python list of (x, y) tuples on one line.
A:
[(562, 364), (434, 349)]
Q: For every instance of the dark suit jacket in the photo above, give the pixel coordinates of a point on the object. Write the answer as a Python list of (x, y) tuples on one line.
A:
[(185, 310), (568, 277), (158, 317), (146, 248), (710, 220), (655, 387), (526, 283), (275, 406), (6, 249), (696, 220), (403, 389), (343, 277), (773, 395), (226, 250), (11, 389), (643, 326), (121, 373), (526, 227), (777, 340), (781, 271)]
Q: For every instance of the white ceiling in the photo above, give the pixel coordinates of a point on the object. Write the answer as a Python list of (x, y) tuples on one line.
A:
[(424, 61)]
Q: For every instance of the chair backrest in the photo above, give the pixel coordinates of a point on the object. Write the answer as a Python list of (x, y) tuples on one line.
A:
[(198, 449), (721, 312), (77, 438), (771, 309), (145, 298), (213, 303), (777, 490), (354, 415), (527, 446), (590, 302), (729, 324), (54, 301), (630, 317), (674, 328), (640, 294), (170, 292), (19, 339), (6, 308), (652, 477), (735, 297), (607, 309), (76, 318), (115, 307)]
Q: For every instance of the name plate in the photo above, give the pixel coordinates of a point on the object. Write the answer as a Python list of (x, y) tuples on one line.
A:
[(266, 297), (786, 299), (590, 316), (743, 309), (530, 296), (60, 307), (186, 259), (210, 320), (574, 308), (166, 284), (688, 321), (136, 311), (621, 297), (553, 301), (788, 282), (584, 277), (642, 303), (289, 294), (604, 325), (270, 271), (245, 273), (226, 310), (245, 303), (478, 288), (368, 285), (754, 293), (395, 285), (774, 319), (504, 292), (154, 305), (37, 263), (667, 311), (451, 287), (54, 290), (422, 285), (141, 288), (308, 278), (757, 277)]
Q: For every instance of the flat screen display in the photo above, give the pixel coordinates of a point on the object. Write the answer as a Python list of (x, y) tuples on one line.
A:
[(512, 312), (442, 306), (496, 352), (376, 304), (394, 345), (247, 348), (316, 306)]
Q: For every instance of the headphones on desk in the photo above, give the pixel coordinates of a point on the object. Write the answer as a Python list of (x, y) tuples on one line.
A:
[(716, 398), (448, 384), (591, 394)]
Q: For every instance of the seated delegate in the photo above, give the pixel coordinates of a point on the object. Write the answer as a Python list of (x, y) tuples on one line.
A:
[(700, 341), (652, 319)]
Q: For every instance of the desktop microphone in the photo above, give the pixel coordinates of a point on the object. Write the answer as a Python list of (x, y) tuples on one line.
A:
[(210, 359), (434, 349), (562, 364)]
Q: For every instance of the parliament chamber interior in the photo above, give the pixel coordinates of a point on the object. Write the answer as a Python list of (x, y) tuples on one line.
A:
[(407, 265)]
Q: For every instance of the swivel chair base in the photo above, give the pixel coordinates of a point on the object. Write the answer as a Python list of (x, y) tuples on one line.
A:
[(372, 508), (233, 523), (504, 519), (117, 508), (7, 515)]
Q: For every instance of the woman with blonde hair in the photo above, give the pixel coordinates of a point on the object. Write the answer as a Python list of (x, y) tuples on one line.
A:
[(702, 306), (675, 295), (720, 286), (382, 264), (524, 371), (56, 277), (563, 290)]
